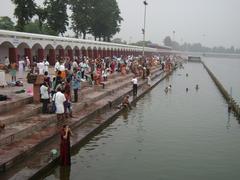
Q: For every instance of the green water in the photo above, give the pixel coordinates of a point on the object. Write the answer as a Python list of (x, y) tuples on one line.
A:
[(175, 136)]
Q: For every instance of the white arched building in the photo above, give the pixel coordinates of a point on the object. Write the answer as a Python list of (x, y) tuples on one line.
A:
[(17, 44)]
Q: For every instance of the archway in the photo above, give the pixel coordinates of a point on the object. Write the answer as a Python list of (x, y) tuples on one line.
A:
[(104, 52), (89, 52), (50, 54), (84, 51), (95, 52), (59, 51), (37, 52), (76, 52), (23, 51), (69, 52), (7, 50), (100, 52)]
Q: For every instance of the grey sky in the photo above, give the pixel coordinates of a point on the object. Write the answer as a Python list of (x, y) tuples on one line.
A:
[(210, 22)]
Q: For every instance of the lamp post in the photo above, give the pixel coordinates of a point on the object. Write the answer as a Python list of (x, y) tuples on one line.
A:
[(144, 26)]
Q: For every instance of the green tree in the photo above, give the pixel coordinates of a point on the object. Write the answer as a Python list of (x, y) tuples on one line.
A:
[(106, 19), (82, 15), (34, 27), (57, 18), (24, 11), (42, 16), (6, 23), (167, 41)]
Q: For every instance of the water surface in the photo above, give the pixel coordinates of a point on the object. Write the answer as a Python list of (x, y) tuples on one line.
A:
[(175, 136), (227, 70)]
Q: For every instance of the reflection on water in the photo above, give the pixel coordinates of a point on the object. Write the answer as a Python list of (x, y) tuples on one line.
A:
[(177, 136), (65, 173)]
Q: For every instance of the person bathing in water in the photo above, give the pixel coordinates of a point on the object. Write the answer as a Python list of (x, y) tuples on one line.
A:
[(166, 90), (125, 103), (197, 87), (170, 87)]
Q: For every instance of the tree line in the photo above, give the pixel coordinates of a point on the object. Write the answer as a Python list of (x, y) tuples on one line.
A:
[(100, 18), (198, 47)]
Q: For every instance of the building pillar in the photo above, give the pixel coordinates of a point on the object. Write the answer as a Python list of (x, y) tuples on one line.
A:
[(104, 53), (118, 53), (108, 53), (52, 57), (90, 53), (40, 54), (84, 52), (101, 53), (95, 52), (123, 52), (61, 53), (77, 52), (13, 55), (111, 53), (70, 54)]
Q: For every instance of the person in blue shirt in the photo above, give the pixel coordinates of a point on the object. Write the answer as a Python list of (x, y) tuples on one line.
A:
[(76, 80)]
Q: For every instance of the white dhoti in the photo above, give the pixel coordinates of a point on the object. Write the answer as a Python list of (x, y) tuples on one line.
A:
[(2, 78)]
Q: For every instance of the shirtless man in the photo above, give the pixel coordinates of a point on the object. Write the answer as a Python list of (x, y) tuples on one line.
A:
[(125, 103)]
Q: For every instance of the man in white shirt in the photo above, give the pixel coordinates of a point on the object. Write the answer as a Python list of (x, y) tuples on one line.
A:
[(59, 99), (21, 65), (40, 66), (6, 61), (56, 67), (74, 65), (46, 64), (135, 85), (44, 97)]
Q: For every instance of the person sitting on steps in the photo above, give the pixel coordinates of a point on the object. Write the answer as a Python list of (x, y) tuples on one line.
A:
[(125, 103)]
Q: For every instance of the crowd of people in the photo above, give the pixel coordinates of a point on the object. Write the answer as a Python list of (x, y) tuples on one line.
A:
[(57, 88), (60, 89), (70, 73)]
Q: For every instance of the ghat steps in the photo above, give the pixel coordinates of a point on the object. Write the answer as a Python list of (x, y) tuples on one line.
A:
[(32, 130)]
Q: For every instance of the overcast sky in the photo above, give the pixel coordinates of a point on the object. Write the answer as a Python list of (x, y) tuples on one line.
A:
[(210, 22)]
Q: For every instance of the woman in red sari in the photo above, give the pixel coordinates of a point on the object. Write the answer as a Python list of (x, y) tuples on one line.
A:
[(65, 156)]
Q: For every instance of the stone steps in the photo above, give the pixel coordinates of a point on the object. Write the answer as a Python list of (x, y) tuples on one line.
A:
[(24, 110), (19, 139), (14, 102), (20, 114), (114, 79), (92, 97), (20, 129), (14, 136), (82, 132), (12, 153)]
